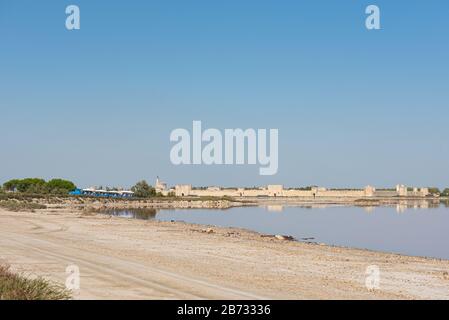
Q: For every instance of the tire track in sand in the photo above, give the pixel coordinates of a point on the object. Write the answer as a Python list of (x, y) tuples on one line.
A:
[(135, 276)]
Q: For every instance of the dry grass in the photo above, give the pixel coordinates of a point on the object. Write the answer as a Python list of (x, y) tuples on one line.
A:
[(17, 287), (15, 205)]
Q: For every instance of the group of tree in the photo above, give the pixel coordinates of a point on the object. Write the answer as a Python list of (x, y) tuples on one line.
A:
[(39, 186), (434, 190), (143, 190)]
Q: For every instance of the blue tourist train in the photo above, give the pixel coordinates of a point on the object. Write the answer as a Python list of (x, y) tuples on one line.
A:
[(91, 192)]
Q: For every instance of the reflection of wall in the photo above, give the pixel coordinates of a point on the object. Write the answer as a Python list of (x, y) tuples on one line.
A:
[(275, 208), (369, 209), (400, 208), (416, 204)]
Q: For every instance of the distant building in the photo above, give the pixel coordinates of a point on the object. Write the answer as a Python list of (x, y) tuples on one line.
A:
[(401, 190), (183, 190), (369, 191), (160, 186), (424, 192), (404, 191), (275, 190)]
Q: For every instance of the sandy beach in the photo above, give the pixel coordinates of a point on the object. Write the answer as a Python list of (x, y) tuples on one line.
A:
[(134, 259)]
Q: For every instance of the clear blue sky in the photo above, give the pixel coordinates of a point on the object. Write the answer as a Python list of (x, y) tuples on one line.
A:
[(353, 107)]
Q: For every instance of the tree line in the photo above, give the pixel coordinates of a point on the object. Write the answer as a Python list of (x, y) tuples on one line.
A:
[(39, 186), (62, 187)]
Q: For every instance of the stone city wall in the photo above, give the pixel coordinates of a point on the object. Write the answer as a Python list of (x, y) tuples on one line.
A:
[(269, 191), (279, 191)]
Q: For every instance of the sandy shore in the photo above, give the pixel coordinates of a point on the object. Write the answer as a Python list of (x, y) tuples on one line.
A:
[(135, 259)]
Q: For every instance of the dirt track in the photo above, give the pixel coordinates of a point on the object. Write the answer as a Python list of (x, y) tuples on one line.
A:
[(132, 259)]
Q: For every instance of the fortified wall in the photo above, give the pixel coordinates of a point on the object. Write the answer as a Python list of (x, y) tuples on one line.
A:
[(315, 192)]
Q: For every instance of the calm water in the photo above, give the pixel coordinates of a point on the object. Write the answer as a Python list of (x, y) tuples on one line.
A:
[(418, 229)]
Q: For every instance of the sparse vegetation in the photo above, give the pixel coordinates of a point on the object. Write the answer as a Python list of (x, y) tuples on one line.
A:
[(17, 287), (16, 205)]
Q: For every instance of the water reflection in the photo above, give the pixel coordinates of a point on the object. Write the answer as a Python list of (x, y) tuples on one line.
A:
[(403, 205), (275, 208), (136, 213), (369, 209), (369, 206), (421, 228)]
